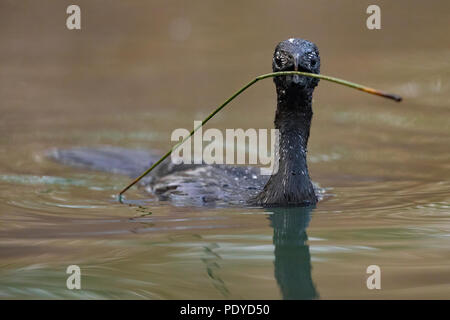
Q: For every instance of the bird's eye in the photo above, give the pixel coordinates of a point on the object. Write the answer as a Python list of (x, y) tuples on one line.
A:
[(313, 63), (280, 60)]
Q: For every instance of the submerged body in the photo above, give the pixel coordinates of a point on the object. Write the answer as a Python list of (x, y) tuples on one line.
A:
[(182, 185), (187, 184)]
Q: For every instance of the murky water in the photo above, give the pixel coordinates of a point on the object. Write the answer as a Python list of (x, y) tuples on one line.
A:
[(137, 70)]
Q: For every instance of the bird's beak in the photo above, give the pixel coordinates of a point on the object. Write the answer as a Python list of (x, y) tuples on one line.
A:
[(296, 61), (296, 77)]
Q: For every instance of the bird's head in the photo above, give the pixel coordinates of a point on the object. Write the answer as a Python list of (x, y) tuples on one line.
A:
[(296, 55)]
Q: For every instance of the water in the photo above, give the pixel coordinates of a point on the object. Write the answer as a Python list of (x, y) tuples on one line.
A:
[(129, 78)]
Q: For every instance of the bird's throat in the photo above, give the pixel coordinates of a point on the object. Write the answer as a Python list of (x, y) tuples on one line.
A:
[(291, 184)]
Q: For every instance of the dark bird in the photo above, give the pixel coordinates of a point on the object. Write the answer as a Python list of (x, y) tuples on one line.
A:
[(222, 185)]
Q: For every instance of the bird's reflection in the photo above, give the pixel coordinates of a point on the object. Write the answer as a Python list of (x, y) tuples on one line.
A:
[(292, 257)]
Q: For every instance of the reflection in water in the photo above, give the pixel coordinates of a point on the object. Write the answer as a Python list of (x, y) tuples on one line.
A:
[(212, 266), (292, 257)]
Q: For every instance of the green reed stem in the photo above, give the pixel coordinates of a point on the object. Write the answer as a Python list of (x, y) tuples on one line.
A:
[(237, 93)]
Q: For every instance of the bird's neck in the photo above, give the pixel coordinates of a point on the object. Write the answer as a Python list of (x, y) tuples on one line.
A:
[(293, 120), (291, 184)]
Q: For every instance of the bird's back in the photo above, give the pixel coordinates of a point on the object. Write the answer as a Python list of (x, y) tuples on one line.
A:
[(181, 184)]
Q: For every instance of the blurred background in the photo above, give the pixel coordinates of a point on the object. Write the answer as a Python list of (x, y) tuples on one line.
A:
[(139, 69)]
